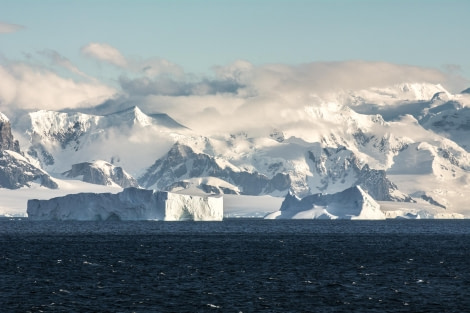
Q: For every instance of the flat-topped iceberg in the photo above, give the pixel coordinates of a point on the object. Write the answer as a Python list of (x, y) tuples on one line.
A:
[(352, 203), (130, 204)]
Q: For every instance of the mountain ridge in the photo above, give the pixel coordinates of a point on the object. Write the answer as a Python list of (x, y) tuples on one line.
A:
[(335, 146)]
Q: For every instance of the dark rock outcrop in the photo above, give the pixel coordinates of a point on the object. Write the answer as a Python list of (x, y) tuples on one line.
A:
[(181, 163), (338, 165), (7, 142), (15, 170), (101, 173)]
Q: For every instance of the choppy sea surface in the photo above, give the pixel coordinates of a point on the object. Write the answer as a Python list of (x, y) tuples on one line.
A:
[(238, 265)]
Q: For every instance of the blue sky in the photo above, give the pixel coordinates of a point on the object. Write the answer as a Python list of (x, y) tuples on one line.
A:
[(200, 34), (56, 54)]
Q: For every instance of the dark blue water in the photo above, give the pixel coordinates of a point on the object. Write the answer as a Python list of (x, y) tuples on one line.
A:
[(235, 266)]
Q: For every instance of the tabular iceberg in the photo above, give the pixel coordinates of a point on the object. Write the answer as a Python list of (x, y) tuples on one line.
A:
[(130, 204)]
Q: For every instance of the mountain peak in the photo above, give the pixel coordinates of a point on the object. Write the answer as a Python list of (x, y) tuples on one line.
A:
[(133, 115), (135, 109)]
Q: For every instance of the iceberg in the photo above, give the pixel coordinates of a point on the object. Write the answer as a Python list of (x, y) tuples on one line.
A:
[(352, 203), (129, 204)]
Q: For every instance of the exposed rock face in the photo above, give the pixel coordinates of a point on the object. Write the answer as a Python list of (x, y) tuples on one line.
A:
[(449, 120), (332, 168), (376, 183), (130, 204), (15, 170), (7, 142), (102, 173), (181, 162), (352, 203), (341, 166)]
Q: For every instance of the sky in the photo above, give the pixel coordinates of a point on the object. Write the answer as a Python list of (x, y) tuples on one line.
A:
[(58, 54)]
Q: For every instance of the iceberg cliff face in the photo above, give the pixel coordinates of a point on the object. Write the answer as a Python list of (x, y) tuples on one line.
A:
[(352, 203), (130, 204)]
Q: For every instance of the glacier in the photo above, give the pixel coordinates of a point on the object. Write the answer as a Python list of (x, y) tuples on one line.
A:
[(129, 204)]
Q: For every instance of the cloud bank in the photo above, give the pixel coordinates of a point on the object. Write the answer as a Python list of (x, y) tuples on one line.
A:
[(29, 87), (238, 96), (243, 96), (59, 60), (318, 78)]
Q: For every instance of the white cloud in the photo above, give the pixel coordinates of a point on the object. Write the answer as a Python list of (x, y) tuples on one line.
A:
[(9, 28), (236, 70), (33, 88), (150, 68), (242, 96), (59, 60), (104, 52), (239, 96), (326, 77), (156, 66)]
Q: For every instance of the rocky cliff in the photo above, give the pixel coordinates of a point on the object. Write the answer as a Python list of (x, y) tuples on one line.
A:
[(101, 173), (15, 170)]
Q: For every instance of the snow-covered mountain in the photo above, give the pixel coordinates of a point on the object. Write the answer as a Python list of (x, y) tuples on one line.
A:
[(101, 173), (16, 171), (450, 119), (7, 142), (313, 170), (395, 94), (403, 143), (181, 164), (57, 140)]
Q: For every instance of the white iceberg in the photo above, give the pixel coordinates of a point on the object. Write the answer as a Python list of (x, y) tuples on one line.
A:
[(130, 204), (352, 203)]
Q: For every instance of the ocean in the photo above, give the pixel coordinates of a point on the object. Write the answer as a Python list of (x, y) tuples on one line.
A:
[(238, 265)]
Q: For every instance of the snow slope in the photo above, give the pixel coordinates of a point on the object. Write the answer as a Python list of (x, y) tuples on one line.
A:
[(127, 138), (14, 202)]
